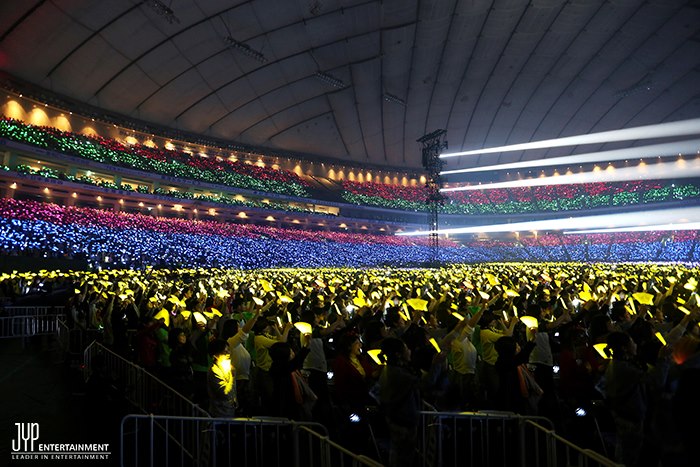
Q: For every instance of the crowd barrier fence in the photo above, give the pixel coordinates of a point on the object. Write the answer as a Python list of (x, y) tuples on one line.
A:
[(553, 450), (498, 439), (197, 441), (145, 391), (28, 326), (9, 311)]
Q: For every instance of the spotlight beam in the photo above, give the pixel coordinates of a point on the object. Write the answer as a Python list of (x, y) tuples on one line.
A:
[(642, 228), (661, 130), (608, 221), (654, 150), (660, 171)]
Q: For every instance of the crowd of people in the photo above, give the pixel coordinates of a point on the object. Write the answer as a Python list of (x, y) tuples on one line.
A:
[(117, 239), (213, 169), (356, 348), (234, 173), (572, 197)]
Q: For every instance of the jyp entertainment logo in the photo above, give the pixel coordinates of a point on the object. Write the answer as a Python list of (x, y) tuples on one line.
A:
[(27, 433)]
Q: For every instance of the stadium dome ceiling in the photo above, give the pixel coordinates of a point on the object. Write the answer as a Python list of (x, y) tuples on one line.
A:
[(361, 80)]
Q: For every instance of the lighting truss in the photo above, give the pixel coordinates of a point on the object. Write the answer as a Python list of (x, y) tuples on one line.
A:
[(245, 49), (330, 80), (161, 9), (393, 99)]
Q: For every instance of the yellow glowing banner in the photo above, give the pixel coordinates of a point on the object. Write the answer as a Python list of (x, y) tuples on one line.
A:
[(418, 304), (304, 328), (529, 321), (164, 315), (374, 355), (644, 298), (600, 348)]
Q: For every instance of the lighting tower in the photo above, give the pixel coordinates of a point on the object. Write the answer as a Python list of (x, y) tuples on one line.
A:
[(432, 145)]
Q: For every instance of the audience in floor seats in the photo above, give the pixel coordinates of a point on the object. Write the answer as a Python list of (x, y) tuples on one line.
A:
[(455, 338)]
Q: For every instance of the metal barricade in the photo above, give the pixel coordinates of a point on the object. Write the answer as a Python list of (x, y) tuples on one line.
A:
[(196, 441), (498, 439), (145, 391), (33, 310), (542, 446), (63, 334), (28, 326), (318, 450)]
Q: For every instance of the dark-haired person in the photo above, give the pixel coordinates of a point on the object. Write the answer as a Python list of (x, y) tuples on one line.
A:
[(292, 396), (464, 392), (316, 363), (492, 329), (629, 387), (221, 382), (517, 390), (353, 375), (235, 337), (400, 396), (266, 335), (181, 373), (542, 358)]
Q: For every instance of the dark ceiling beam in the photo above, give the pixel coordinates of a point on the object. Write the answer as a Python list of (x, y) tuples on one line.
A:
[(466, 70), (517, 73), (298, 123), (437, 72), (165, 41), (208, 18), (288, 57), (549, 72), (96, 32), (21, 20), (602, 83), (523, 13)]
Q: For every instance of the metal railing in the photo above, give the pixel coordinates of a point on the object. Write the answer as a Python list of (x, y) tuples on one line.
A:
[(542, 446), (63, 334), (196, 441), (145, 391), (28, 326), (33, 310), (498, 439), (324, 452)]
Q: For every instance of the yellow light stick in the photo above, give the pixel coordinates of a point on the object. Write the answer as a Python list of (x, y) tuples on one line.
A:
[(434, 343), (660, 338), (600, 348), (374, 355)]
